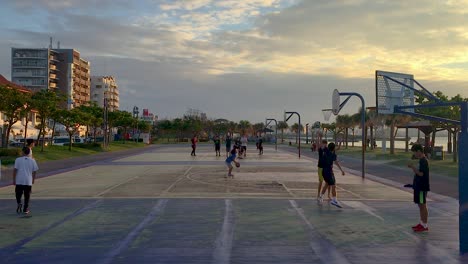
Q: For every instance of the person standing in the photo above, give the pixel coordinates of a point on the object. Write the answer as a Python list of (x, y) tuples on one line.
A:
[(329, 176), (228, 144), (217, 143), (321, 163), (30, 144), (24, 175), (194, 141), (244, 141), (420, 187)]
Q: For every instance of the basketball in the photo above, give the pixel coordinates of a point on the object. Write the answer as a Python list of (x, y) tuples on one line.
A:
[(237, 164)]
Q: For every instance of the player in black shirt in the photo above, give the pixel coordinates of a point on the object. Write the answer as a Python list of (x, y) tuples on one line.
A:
[(420, 187)]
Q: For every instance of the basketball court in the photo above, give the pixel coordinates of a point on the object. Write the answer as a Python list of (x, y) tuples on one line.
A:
[(164, 206)]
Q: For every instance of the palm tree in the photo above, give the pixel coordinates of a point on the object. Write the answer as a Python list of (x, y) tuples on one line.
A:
[(244, 126), (282, 125)]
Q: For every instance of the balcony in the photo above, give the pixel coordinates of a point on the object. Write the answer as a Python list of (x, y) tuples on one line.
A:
[(52, 85)]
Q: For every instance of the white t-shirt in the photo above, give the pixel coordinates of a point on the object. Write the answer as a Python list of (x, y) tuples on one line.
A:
[(244, 141), (25, 167)]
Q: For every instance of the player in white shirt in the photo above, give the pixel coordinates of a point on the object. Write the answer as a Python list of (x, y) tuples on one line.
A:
[(244, 140)]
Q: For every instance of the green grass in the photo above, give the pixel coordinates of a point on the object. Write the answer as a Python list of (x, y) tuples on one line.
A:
[(62, 152)]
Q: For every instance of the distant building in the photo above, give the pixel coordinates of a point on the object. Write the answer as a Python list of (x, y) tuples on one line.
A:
[(61, 70), (105, 87), (35, 69), (74, 77)]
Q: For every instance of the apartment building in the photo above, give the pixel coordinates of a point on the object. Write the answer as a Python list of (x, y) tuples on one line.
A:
[(105, 87), (62, 70), (35, 69), (74, 77)]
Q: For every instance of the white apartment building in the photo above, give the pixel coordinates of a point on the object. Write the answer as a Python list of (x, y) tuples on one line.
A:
[(105, 87)]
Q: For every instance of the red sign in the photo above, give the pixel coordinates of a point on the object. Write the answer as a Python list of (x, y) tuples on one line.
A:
[(145, 112)]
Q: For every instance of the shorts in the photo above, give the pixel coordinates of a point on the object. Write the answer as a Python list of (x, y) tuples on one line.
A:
[(419, 197), (217, 147), (329, 178), (228, 164), (244, 148), (320, 174), (228, 148)]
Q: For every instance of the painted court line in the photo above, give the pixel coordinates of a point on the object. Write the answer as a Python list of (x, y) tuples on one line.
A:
[(223, 246), (119, 184), (156, 211), (322, 247), (17, 246)]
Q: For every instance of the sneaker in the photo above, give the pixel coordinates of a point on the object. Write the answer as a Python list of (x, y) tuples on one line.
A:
[(319, 199), (417, 226), (336, 203), (26, 211), (231, 175), (18, 208), (421, 229)]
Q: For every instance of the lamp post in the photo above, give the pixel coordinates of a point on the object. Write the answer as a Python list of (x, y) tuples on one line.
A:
[(307, 133), (135, 115)]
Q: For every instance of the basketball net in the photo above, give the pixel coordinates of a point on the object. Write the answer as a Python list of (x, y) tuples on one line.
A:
[(327, 114)]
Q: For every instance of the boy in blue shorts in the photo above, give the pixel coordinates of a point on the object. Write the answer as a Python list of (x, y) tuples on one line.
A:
[(420, 187), (230, 160)]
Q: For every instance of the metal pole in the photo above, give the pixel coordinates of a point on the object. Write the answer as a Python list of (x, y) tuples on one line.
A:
[(276, 130), (298, 130), (463, 179), (307, 133), (363, 136)]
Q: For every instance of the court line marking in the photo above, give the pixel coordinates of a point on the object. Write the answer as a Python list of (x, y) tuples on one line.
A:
[(120, 184), (18, 245), (322, 247), (157, 210), (427, 249), (223, 244)]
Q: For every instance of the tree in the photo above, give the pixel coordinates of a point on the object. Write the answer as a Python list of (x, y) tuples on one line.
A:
[(71, 120), (244, 126), (94, 114), (13, 107), (124, 120), (258, 127), (45, 103), (282, 126), (345, 122), (296, 128)]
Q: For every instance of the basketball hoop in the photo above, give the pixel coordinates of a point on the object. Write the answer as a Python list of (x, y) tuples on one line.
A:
[(327, 114)]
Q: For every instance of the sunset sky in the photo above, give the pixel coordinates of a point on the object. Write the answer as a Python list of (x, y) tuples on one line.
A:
[(248, 59)]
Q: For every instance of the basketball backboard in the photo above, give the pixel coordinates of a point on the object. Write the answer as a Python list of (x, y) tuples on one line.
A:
[(393, 89)]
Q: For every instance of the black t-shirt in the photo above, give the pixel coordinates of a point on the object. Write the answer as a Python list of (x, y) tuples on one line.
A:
[(328, 159), (228, 142), (321, 157), (421, 183)]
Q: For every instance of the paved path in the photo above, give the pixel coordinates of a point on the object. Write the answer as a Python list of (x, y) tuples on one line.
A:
[(164, 206)]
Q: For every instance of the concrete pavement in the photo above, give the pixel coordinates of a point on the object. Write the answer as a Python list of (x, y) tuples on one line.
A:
[(163, 206)]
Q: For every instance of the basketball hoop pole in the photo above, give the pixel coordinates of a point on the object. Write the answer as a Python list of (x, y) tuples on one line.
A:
[(267, 122), (463, 179), (298, 129), (363, 123)]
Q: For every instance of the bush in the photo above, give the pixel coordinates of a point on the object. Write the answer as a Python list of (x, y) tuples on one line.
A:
[(91, 145), (10, 152)]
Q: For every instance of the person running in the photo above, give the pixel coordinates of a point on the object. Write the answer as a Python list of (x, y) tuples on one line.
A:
[(321, 163), (24, 175), (217, 143), (244, 141), (328, 175), (420, 187), (194, 141), (230, 160)]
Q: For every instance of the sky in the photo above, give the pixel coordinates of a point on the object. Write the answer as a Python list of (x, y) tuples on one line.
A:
[(248, 59)]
